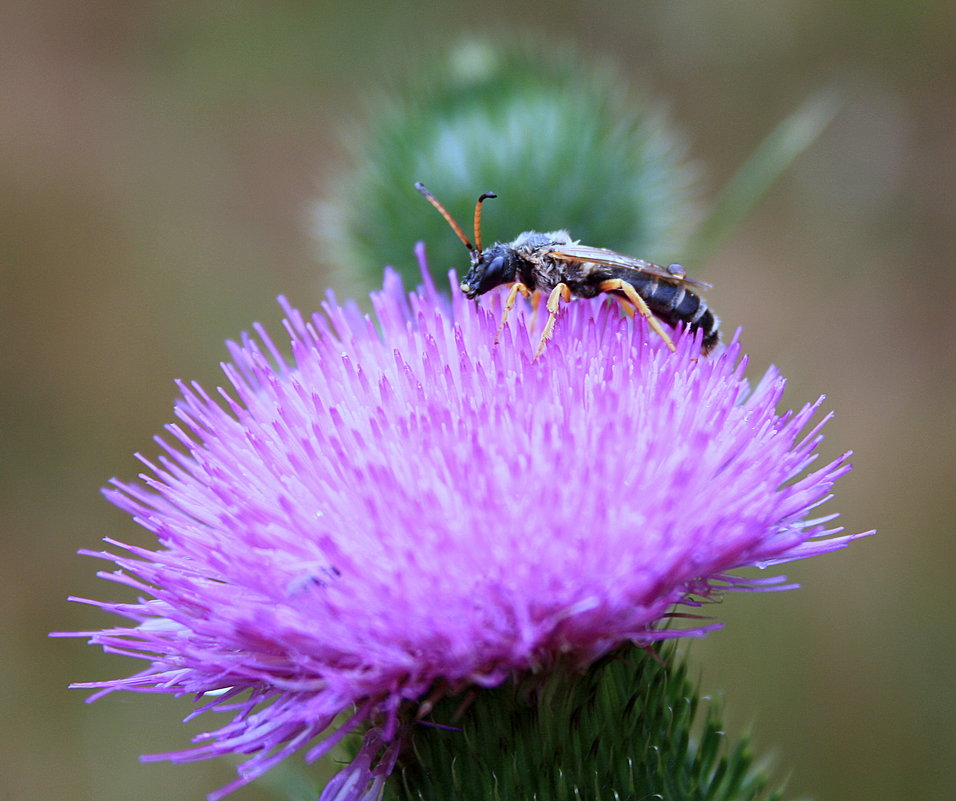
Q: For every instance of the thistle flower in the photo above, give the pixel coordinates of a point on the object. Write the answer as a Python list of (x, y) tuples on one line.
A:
[(408, 507)]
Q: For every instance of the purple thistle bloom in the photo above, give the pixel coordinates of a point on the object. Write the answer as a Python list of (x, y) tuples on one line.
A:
[(409, 504)]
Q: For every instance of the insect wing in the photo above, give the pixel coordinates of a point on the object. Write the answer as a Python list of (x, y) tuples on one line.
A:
[(615, 259)]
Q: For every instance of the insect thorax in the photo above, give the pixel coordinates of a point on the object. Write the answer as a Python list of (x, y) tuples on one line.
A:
[(529, 241), (535, 268)]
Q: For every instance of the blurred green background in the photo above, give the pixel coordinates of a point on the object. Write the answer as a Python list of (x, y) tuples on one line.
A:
[(158, 162)]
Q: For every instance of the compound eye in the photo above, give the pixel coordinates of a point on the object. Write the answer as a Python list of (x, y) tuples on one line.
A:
[(494, 273)]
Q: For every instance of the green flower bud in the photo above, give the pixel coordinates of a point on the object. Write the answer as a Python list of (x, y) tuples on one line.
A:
[(561, 142)]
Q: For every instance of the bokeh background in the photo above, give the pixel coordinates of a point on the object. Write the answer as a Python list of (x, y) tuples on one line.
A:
[(158, 162)]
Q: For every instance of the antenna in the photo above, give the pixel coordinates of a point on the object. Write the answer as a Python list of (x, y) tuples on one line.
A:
[(475, 254), (481, 199)]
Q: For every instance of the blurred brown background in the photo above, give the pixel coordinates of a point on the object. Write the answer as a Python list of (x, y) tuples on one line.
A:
[(157, 162)]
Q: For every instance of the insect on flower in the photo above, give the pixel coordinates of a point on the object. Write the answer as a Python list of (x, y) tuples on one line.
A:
[(555, 264)]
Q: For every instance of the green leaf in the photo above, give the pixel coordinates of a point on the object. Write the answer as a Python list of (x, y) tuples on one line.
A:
[(759, 172)]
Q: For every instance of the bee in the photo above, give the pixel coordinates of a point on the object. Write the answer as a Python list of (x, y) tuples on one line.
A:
[(555, 264)]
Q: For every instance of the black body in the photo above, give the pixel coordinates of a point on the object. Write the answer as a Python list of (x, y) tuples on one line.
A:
[(537, 261), (673, 304)]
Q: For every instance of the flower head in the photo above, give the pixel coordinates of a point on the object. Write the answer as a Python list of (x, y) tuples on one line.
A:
[(407, 505)]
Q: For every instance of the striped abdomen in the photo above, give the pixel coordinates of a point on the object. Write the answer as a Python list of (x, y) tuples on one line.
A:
[(674, 304)]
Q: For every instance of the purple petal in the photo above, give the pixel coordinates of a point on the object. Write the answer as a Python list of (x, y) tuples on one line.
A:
[(407, 503)]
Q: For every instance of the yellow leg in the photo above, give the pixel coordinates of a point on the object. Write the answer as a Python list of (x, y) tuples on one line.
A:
[(559, 293), (510, 304), (617, 285), (535, 305), (626, 307)]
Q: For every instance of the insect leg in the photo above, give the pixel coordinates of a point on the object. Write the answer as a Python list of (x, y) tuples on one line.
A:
[(516, 287), (535, 305), (626, 307), (559, 293), (617, 285)]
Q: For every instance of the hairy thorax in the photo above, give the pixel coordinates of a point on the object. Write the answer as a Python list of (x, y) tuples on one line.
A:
[(538, 270)]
